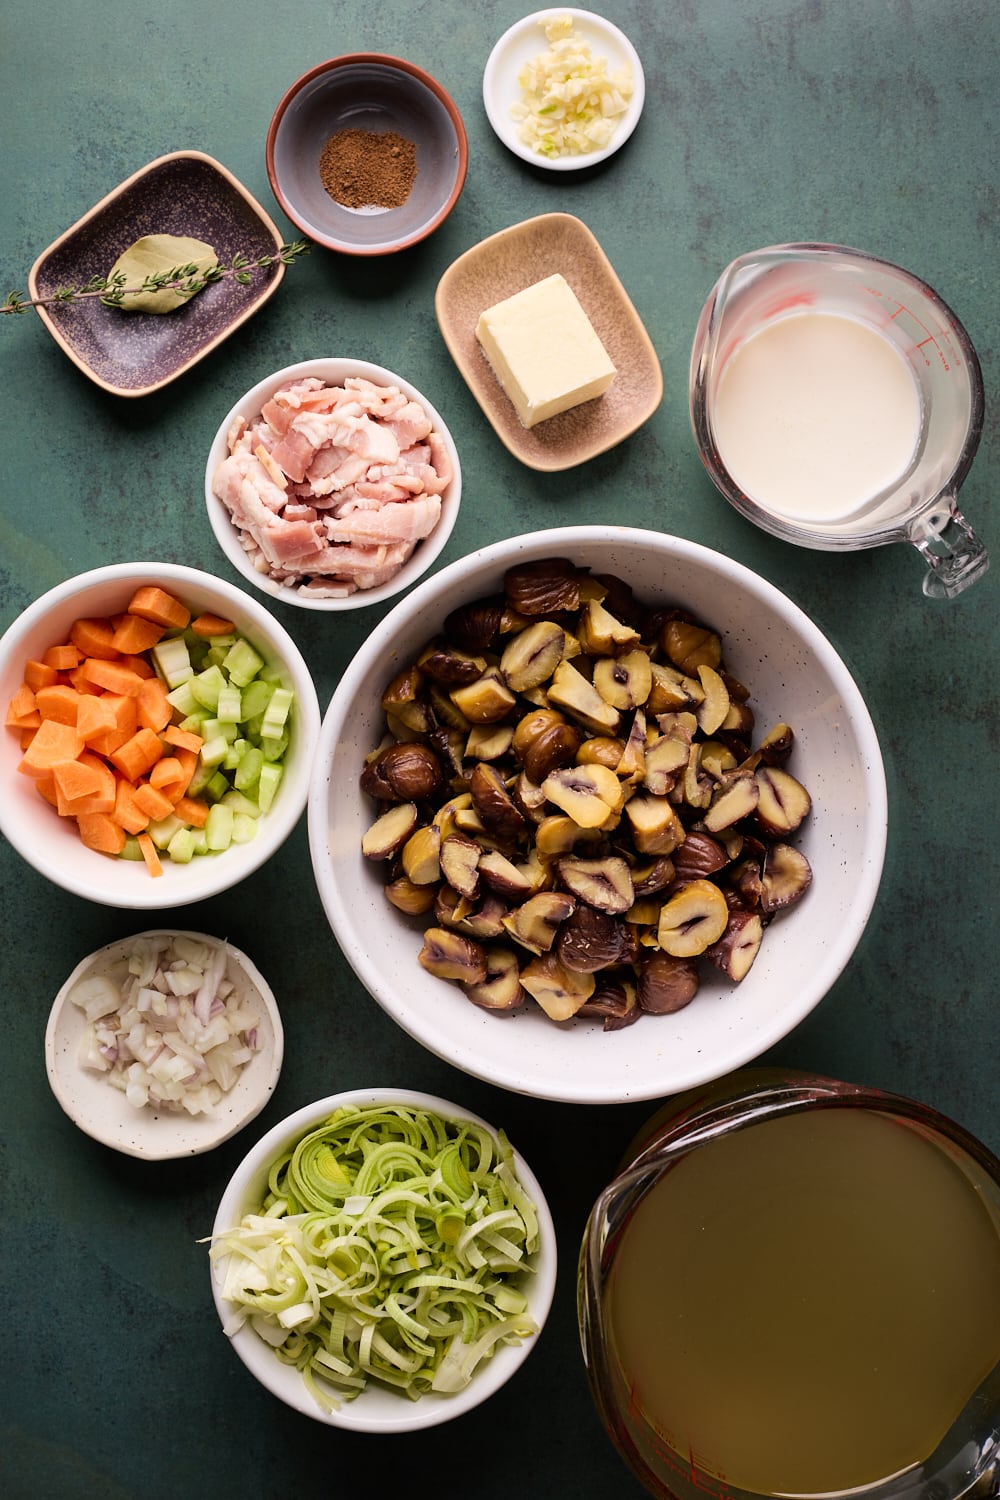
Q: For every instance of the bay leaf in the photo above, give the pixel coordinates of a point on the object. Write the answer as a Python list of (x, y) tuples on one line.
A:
[(153, 255)]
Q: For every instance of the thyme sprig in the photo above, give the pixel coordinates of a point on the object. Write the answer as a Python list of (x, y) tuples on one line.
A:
[(184, 280)]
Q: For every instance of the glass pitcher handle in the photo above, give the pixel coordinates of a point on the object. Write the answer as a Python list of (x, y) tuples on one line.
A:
[(954, 554)]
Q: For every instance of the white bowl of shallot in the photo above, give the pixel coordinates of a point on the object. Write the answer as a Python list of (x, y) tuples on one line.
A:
[(164, 1044), (332, 484)]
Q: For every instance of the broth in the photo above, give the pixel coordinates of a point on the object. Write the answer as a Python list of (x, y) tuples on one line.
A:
[(807, 1304)]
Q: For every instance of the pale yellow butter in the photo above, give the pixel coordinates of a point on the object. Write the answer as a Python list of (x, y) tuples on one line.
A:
[(544, 351)]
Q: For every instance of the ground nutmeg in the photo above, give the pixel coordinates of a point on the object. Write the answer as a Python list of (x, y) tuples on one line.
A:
[(368, 169)]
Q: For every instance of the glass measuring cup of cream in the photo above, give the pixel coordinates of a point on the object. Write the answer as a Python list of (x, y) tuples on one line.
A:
[(837, 402), (793, 1288)]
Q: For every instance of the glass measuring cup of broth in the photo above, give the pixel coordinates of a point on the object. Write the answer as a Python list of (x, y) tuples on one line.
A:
[(837, 402), (792, 1288)]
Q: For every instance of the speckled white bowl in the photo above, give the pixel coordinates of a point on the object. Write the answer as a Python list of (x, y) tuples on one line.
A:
[(102, 1111), (377, 1409), (51, 843), (334, 372), (794, 675)]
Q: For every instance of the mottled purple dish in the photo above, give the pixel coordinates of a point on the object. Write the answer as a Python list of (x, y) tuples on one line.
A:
[(183, 193)]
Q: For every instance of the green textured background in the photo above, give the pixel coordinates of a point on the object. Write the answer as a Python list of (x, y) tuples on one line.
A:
[(868, 122)]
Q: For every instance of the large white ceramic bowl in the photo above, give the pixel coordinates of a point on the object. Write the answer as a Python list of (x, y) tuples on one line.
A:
[(377, 1409), (51, 843), (794, 675), (101, 1109), (228, 535)]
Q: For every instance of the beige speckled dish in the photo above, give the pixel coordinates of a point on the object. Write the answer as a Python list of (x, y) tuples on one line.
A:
[(518, 257)]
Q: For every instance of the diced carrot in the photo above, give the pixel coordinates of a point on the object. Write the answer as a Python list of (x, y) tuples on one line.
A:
[(152, 801), (101, 798), (152, 603), (111, 676), (46, 787), (60, 702), (94, 638), (51, 743), (78, 678), (74, 778), (137, 664), (133, 634), (22, 710), (184, 739), (64, 658), (209, 625), (138, 754), (152, 704), (191, 810), (99, 831), (125, 709), (95, 717), (127, 811), (39, 674), (149, 854), (167, 773), (27, 734)]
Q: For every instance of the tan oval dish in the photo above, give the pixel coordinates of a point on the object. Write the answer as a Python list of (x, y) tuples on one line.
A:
[(518, 257), (182, 193), (102, 1111), (373, 92)]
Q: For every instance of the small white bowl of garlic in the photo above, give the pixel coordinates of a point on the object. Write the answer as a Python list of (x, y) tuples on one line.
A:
[(563, 88), (164, 1044)]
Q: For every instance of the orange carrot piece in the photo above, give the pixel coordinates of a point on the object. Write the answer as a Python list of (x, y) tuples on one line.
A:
[(127, 811), (153, 707), (137, 664), (208, 625), (60, 702), (152, 603), (111, 676), (74, 778), (26, 731), (99, 831), (94, 638), (51, 743), (149, 854), (184, 739), (166, 773), (133, 634), (46, 787), (101, 799), (64, 658), (39, 674), (95, 717), (192, 811), (156, 803), (138, 754), (22, 710), (78, 678)]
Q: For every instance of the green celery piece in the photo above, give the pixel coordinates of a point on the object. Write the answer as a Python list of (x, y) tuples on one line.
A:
[(214, 751), (212, 728), (270, 673), (274, 749), (237, 750), (244, 828), (219, 828), (217, 786), (207, 685), (182, 700), (242, 662), (181, 846), (199, 841), (229, 707), (162, 832), (172, 661), (241, 805), (270, 779), (131, 849), (249, 768), (256, 697), (276, 714), (200, 779)]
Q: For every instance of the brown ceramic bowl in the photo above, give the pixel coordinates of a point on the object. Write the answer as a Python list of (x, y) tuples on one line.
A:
[(366, 91), (183, 193)]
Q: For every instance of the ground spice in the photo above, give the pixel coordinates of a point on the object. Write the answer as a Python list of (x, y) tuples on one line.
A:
[(368, 169)]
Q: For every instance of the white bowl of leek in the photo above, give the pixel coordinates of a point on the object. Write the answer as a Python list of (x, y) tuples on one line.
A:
[(383, 1260)]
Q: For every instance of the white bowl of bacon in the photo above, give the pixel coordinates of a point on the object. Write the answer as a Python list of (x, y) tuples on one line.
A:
[(332, 484)]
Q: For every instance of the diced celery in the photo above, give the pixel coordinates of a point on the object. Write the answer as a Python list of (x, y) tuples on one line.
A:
[(256, 697), (242, 662), (219, 828), (195, 723), (171, 659), (270, 673), (181, 846), (201, 777), (230, 704), (244, 828), (207, 685), (199, 841), (163, 831), (235, 754), (182, 700), (276, 713), (214, 751), (131, 850), (211, 728), (217, 648), (217, 786), (248, 770), (270, 778), (274, 747), (241, 805)]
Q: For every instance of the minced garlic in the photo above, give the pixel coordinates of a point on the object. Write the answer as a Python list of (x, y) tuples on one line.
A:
[(570, 103)]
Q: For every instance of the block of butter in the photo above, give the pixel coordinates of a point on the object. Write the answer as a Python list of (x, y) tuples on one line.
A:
[(544, 351)]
